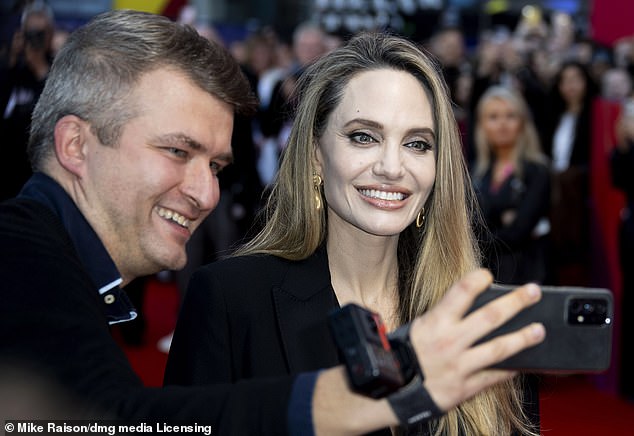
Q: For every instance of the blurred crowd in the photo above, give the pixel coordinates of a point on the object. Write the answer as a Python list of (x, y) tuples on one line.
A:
[(525, 99)]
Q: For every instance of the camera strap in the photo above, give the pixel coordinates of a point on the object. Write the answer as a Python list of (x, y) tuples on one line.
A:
[(412, 404)]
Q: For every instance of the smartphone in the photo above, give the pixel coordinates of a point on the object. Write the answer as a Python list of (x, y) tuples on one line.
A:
[(578, 324)]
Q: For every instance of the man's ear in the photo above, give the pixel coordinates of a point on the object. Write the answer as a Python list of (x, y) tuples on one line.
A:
[(70, 139)]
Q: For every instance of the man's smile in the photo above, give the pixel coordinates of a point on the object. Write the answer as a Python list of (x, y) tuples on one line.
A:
[(173, 216)]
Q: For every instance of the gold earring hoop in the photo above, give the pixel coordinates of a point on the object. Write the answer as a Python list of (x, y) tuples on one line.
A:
[(317, 181), (420, 218)]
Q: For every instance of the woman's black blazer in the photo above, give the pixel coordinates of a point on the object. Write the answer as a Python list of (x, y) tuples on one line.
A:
[(254, 316)]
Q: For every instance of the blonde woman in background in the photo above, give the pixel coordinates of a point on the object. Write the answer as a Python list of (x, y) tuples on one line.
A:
[(512, 180)]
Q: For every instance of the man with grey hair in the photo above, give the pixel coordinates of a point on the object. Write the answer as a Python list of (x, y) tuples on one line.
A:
[(127, 140)]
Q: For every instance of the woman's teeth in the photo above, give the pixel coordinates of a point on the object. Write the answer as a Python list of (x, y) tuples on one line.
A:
[(382, 195)]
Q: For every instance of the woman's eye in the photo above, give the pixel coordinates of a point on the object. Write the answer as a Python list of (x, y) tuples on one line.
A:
[(361, 138), (419, 145)]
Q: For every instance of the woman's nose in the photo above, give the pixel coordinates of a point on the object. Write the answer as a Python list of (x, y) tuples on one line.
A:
[(389, 162)]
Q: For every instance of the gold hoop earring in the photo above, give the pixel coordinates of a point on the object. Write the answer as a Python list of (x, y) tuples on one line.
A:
[(420, 218), (317, 181)]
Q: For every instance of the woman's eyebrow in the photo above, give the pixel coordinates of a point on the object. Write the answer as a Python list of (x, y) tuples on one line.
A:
[(422, 131), (364, 122), (377, 125)]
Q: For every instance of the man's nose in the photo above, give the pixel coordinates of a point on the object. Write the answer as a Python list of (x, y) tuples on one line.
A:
[(201, 185)]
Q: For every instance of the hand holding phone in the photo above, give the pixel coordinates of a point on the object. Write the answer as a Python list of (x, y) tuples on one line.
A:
[(578, 324), (441, 343)]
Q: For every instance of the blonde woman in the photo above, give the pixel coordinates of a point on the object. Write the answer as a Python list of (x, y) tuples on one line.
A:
[(512, 180), (372, 205)]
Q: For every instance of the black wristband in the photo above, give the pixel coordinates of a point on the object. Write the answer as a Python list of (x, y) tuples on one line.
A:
[(412, 404)]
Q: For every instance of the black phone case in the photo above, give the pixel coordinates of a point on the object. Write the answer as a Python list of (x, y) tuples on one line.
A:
[(568, 347)]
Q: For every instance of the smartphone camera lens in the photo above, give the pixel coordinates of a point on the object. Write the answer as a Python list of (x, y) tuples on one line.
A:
[(575, 307), (588, 311)]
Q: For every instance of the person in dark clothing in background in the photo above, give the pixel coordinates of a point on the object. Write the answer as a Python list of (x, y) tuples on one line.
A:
[(622, 162), (512, 181), (567, 142), (309, 43), (501, 62), (27, 66)]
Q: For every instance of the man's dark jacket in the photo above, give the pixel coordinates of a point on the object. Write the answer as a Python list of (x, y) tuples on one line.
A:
[(52, 318)]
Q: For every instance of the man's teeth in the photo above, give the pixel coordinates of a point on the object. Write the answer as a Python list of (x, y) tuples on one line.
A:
[(382, 195), (171, 215)]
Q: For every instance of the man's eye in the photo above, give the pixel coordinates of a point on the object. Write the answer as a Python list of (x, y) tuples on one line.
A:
[(215, 167), (419, 145), (361, 138), (177, 151)]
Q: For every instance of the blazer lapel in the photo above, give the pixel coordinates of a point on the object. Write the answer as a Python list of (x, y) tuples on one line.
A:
[(302, 302)]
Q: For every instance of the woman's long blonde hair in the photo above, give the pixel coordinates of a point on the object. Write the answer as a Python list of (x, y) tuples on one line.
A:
[(430, 261), (527, 148)]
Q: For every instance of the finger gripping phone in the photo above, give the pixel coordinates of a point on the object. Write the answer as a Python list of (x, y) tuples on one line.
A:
[(578, 324)]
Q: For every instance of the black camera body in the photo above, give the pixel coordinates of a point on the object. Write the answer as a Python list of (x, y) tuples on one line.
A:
[(373, 369)]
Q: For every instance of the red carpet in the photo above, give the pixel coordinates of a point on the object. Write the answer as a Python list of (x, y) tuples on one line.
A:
[(573, 406), (570, 405), (160, 310)]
